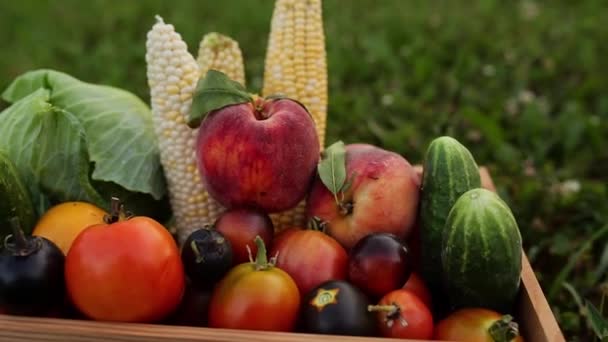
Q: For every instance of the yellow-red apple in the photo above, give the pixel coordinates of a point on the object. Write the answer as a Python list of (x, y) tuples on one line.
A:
[(382, 197)]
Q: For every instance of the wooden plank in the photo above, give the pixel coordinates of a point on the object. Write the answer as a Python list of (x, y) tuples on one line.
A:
[(536, 319), (13, 328), (534, 316)]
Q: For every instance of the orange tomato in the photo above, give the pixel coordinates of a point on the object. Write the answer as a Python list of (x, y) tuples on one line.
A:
[(63, 222), (477, 325)]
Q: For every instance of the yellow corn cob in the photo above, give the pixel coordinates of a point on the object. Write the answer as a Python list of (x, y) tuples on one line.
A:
[(296, 66), (222, 53), (172, 76)]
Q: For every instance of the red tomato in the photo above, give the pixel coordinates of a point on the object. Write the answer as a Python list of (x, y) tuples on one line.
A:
[(416, 285), (128, 270), (401, 314), (476, 325), (310, 257), (256, 296)]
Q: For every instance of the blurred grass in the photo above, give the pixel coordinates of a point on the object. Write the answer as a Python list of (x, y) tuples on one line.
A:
[(523, 84)]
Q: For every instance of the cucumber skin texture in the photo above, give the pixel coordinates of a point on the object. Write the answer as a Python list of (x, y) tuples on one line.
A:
[(482, 252), (449, 171), (14, 199)]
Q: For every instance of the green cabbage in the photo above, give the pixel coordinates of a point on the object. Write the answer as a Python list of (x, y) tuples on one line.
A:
[(73, 140)]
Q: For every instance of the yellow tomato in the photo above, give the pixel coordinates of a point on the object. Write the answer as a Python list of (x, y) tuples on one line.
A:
[(63, 222)]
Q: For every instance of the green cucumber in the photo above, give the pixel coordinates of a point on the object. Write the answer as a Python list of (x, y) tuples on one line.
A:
[(449, 170), (15, 200), (481, 252)]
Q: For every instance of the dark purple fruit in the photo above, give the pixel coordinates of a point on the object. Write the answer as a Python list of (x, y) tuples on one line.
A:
[(207, 256), (378, 264), (31, 275), (337, 307)]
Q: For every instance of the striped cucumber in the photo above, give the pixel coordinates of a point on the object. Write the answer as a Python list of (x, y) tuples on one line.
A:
[(15, 200), (481, 252), (449, 170)]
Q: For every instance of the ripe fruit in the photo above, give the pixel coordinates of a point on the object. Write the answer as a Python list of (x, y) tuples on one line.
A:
[(240, 227), (477, 325), (255, 295), (401, 314), (128, 269), (260, 154), (481, 252), (416, 285), (31, 275), (339, 308), (207, 256), (382, 196), (310, 257), (63, 222), (378, 264)]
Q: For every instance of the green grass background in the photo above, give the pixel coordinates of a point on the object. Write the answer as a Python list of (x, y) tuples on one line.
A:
[(522, 83)]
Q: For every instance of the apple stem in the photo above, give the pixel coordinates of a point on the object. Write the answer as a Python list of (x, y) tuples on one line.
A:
[(258, 107), (393, 312), (504, 329), (346, 208), (261, 259)]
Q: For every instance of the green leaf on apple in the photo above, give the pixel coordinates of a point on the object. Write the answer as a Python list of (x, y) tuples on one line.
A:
[(332, 168), (214, 91)]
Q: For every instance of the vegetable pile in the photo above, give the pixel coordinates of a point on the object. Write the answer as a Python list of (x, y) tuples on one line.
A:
[(274, 231)]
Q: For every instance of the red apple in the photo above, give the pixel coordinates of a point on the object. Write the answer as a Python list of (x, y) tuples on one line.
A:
[(383, 196), (240, 227), (260, 154)]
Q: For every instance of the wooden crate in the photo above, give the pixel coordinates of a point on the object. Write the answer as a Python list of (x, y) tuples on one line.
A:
[(533, 313)]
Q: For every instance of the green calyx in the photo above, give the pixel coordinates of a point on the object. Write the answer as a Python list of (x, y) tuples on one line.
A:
[(261, 261), (504, 329)]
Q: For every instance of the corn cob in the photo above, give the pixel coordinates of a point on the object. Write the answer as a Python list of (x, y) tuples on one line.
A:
[(222, 53), (296, 67), (172, 76)]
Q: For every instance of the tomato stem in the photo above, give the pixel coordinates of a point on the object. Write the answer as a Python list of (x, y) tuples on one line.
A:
[(117, 212), (22, 246), (393, 312), (504, 329), (316, 223), (18, 235), (197, 252), (261, 259)]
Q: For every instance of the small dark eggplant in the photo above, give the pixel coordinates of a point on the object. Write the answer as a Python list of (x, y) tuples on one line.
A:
[(32, 279), (207, 256), (337, 307)]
